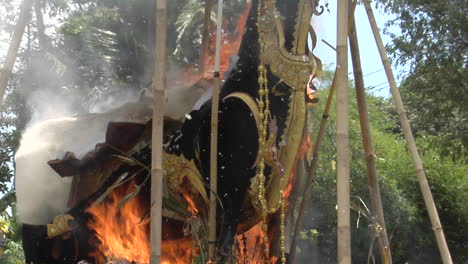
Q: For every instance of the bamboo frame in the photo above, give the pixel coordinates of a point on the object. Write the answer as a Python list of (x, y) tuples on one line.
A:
[(23, 19), (157, 136), (213, 171), (372, 178), (214, 141), (342, 137), (417, 163), (312, 170)]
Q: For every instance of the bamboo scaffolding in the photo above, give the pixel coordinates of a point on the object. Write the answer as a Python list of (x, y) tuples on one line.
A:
[(205, 35), (23, 19), (311, 172), (342, 137), (417, 163), (157, 136), (314, 162), (372, 178), (214, 140)]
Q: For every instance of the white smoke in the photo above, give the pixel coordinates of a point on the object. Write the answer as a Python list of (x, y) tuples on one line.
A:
[(41, 193)]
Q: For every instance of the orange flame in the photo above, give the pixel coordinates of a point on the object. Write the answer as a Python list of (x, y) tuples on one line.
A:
[(230, 43), (192, 208), (251, 247), (123, 235)]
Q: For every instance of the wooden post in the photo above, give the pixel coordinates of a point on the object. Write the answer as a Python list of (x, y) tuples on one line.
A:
[(157, 136), (14, 46), (342, 137), (417, 163), (214, 140), (205, 35), (311, 172), (372, 179)]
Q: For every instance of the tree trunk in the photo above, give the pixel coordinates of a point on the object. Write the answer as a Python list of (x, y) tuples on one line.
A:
[(14, 45), (40, 25)]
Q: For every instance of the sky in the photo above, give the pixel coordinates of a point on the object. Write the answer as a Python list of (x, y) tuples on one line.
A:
[(374, 75)]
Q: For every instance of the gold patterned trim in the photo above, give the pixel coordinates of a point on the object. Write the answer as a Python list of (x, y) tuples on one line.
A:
[(177, 168), (294, 70), (59, 225), (250, 102)]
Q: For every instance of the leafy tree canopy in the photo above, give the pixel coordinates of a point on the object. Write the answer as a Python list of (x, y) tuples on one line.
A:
[(408, 226), (434, 43)]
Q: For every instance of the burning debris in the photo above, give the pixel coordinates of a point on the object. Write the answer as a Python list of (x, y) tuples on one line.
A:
[(109, 198)]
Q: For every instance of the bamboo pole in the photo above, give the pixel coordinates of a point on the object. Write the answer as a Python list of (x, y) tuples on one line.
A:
[(214, 140), (417, 163), (205, 35), (311, 172), (342, 137), (23, 19), (157, 136), (372, 178)]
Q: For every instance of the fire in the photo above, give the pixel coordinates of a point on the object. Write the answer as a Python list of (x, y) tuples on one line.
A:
[(230, 43), (192, 208), (123, 233), (251, 247)]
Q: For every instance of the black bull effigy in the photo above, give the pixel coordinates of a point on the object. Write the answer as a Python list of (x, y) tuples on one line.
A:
[(262, 123)]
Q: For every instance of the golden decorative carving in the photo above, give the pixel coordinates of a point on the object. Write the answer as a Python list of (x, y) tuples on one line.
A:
[(294, 69), (301, 28), (177, 169), (59, 225)]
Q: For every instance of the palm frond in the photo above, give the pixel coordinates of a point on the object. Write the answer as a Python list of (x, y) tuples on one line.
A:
[(191, 18)]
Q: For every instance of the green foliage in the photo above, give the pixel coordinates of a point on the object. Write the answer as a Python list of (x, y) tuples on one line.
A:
[(11, 124), (189, 31), (189, 27), (433, 42), (408, 226), (107, 43), (11, 250), (13, 253), (436, 96)]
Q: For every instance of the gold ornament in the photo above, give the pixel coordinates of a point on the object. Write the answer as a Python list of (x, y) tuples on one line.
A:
[(59, 225)]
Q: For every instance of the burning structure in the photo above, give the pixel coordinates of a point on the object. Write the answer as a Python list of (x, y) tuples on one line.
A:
[(262, 123)]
